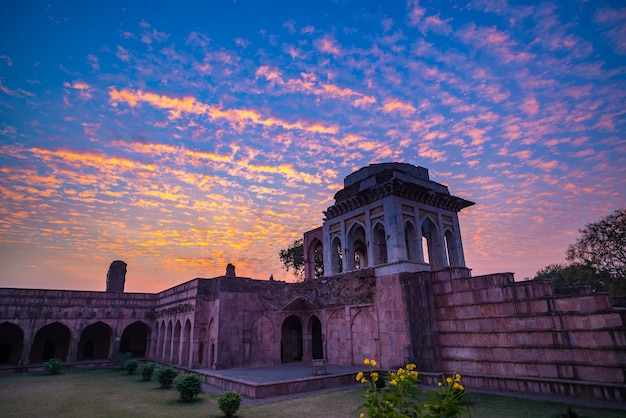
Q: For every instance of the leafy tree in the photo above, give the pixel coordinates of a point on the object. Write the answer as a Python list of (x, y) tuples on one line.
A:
[(603, 245), (573, 275), (597, 259), (293, 259)]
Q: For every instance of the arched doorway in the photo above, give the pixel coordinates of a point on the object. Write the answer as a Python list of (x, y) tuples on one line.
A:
[(291, 340), (135, 339), (317, 346), (95, 342), (51, 341), (11, 343)]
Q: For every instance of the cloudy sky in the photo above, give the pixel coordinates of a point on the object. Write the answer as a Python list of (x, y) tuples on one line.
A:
[(181, 136)]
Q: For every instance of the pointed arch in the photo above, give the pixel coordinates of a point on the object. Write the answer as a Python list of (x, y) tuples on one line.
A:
[(411, 242), (336, 256), (314, 329), (95, 342), (135, 339), (356, 249), (315, 258), (176, 343), (291, 339), (431, 244), (262, 341), (51, 341), (379, 241), (11, 343), (186, 345), (167, 351), (362, 335), (161, 343), (453, 256)]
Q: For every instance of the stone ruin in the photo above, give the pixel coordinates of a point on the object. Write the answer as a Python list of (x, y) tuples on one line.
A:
[(395, 288)]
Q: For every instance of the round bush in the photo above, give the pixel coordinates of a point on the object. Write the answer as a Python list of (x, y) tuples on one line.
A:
[(229, 402), (53, 366), (188, 385), (166, 376), (147, 370), (131, 366)]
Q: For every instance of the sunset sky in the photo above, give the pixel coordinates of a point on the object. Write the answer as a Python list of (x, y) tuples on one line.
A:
[(181, 136)]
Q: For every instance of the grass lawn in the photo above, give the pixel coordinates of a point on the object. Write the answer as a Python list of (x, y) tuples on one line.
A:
[(112, 393)]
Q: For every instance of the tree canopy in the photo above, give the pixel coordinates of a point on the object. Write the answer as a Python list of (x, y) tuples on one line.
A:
[(293, 259), (597, 259), (603, 245)]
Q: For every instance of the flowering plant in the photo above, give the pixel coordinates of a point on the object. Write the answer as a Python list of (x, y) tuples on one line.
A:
[(400, 397)]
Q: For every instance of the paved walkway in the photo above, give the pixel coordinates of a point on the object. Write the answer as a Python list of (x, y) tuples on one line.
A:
[(296, 371)]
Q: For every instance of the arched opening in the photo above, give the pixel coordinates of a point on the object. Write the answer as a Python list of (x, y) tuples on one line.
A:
[(212, 339), (185, 350), (452, 250), (135, 339), (356, 247), (411, 242), (167, 350), (336, 256), (51, 341), (379, 239), (291, 340), (200, 352), (317, 346), (176, 343), (11, 343), (95, 342), (316, 255), (432, 252), (161, 342)]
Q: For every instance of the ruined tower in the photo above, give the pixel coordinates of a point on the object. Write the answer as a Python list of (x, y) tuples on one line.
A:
[(116, 277), (393, 217)]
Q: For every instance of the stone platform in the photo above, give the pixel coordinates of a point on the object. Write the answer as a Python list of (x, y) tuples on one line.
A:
[(284, 379)]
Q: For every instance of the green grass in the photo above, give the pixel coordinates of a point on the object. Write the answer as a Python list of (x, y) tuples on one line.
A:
[(114, 393)]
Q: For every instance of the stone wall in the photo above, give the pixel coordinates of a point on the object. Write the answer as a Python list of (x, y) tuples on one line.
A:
[(508, 335), (63, 319)]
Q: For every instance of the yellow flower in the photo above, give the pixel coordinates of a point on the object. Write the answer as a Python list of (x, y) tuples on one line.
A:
[(374, 376), (373, 362), (411, 366), (359, 376), (366, 361), (362, 415), (457, 377), (393, 382), (439, 384), (448, 380), (458, 386)]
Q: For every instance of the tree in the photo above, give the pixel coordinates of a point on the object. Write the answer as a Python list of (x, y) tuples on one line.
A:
[(293, 258), (597, 259), (603, 245), (573, 275)]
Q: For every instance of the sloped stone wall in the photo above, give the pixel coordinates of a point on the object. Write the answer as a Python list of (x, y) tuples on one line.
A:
[(508, 335)]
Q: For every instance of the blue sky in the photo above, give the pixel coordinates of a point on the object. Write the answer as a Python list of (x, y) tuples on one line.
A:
[(180, 137)]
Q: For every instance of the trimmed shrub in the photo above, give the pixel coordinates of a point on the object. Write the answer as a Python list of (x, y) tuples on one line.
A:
[(147, 370), (53, 366), (131, 366), (188, 385), (166, 376), (229, 402)]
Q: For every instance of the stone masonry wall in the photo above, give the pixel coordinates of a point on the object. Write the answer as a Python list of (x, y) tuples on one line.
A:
[(508, 335), (32, 309)]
